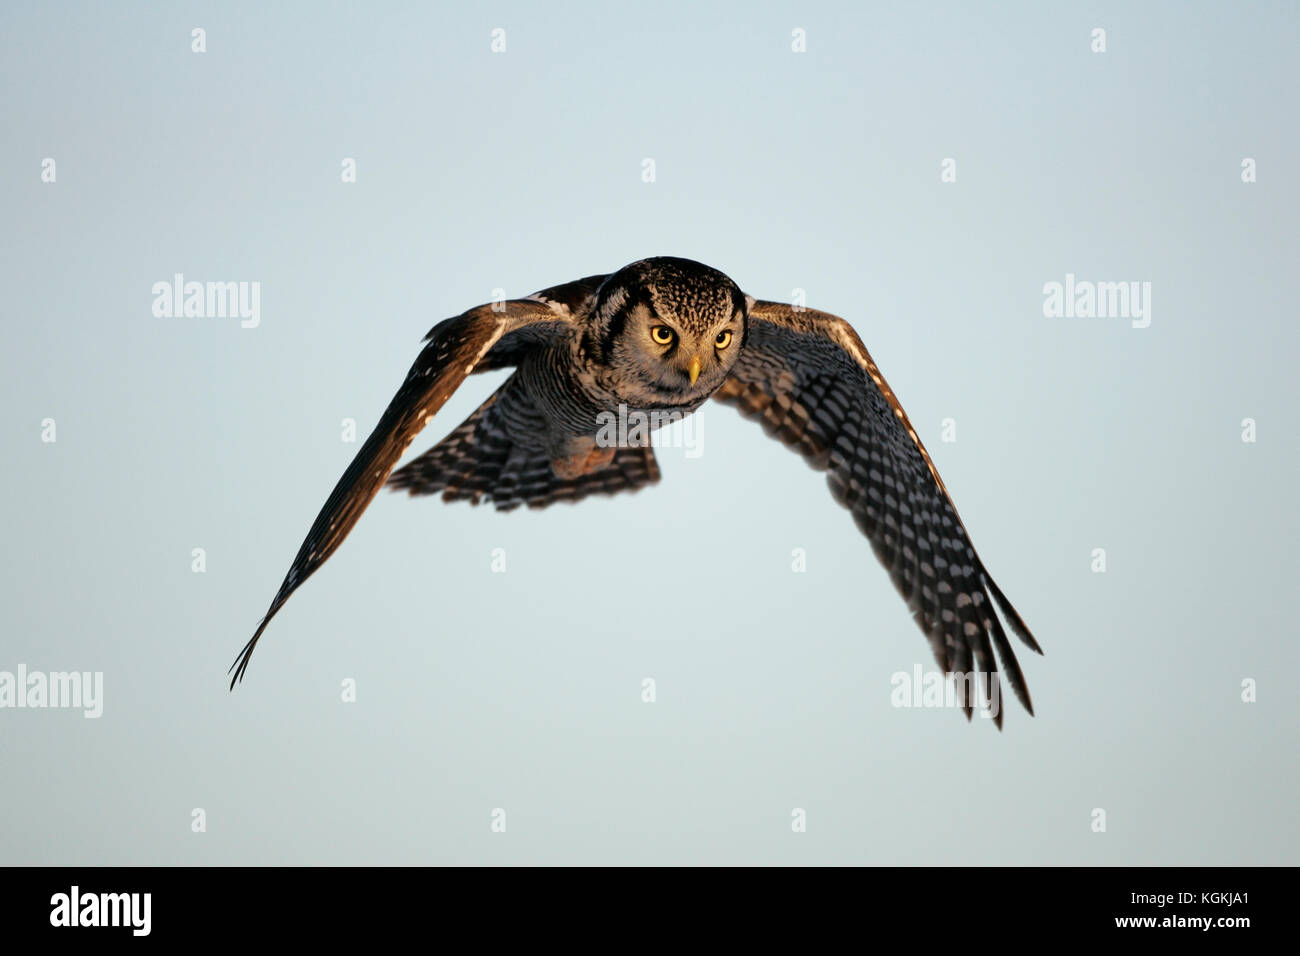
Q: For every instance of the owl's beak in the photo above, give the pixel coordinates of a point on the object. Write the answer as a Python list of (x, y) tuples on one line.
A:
[(695, 369)]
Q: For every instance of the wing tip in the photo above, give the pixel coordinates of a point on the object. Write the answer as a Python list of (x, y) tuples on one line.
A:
[(1018, 626), (240, 666)]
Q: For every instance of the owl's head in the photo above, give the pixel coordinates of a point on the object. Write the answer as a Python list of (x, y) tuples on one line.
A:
[(671, 329)]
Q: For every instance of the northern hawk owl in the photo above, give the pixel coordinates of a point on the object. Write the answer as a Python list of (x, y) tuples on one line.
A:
[(660, 337)]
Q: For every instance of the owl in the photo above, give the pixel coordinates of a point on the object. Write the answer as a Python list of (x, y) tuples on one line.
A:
[(657, 339)]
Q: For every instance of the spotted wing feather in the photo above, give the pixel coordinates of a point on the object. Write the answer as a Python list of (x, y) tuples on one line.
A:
[(496, 455), (453, 349), (808, 379)]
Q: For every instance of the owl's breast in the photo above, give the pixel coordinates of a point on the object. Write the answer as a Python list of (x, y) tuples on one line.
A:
[(576, 399)]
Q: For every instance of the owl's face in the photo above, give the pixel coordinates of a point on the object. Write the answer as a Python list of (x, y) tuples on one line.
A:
[(672, 329)]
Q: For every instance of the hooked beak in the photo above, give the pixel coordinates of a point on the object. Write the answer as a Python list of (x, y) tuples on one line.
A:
[(695, 369)]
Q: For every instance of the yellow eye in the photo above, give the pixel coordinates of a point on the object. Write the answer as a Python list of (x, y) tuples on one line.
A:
[(662, 334), (723, 340)]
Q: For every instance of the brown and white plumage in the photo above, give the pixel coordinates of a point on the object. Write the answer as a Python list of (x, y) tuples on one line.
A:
[(808, 379), (663, 335), (452, 351)]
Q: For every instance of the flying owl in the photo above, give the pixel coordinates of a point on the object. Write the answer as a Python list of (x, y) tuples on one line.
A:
[(661, 337)]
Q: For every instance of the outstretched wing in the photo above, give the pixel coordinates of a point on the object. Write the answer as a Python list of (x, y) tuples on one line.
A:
[(454, 348), (806, 376)]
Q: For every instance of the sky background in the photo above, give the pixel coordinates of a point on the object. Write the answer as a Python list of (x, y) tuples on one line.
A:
[(522, 690)]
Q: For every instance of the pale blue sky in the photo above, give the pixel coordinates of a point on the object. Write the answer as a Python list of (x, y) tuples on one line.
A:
[(522, 690)]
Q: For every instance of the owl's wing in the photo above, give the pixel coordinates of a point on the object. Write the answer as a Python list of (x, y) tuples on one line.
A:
[(454, 348), (807, 377)]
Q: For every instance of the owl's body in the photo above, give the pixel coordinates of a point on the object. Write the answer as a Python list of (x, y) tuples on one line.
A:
[(534, 442), (651, 343), (538, 438)]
